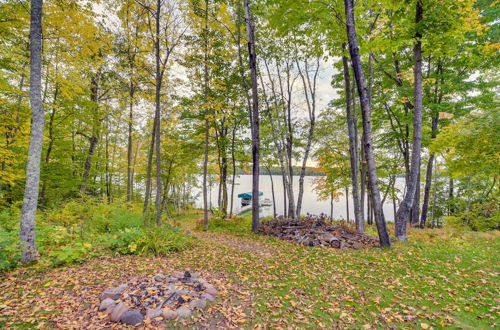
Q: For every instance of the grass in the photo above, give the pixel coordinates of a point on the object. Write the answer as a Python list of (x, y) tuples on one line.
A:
[(439, 278)]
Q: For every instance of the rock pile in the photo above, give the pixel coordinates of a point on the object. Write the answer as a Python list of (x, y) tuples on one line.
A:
[(159, 298), (317, 231)]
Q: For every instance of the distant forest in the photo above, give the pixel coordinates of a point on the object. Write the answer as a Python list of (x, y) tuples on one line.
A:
[(310, 171)]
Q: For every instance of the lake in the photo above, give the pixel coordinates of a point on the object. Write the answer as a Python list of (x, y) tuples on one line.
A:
[(310, 203)]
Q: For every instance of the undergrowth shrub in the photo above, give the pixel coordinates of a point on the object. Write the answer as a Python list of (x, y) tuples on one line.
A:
[(481, 217), (86, 227)]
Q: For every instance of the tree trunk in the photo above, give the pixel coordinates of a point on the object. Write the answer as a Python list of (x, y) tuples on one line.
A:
[(428, 174), (157, 119), (347, 202), (366, 114), (130, 142), (51, 141), (415, 209), (252, 58), (450, 197), (272, 190), (233, 159), (353, 152), (427, 190), (310, 94), (205, 155), (147, 194), (405, 207), (30, 201), (331, 206), (94, 138)]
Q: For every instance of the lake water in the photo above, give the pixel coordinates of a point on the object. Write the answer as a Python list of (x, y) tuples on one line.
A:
[(310, 202)]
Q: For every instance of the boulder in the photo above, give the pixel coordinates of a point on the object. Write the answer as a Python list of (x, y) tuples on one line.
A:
[(109, 294), (183, 312), (211, 291), (169, 314), (118, 311), (198, 304), (132, 317), (152, 313), (106, 303), (208, 296), (159, 278), (178, 274)]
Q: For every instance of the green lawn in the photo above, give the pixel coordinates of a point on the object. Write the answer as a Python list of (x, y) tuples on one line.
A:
[(440, 278)]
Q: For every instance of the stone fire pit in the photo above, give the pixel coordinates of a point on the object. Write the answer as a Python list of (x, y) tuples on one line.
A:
[(159, 298)]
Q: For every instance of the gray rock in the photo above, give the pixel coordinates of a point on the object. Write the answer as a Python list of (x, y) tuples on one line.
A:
[(178, 274), (183, 312), (132, 317), (178, 292), (118, 311), (195, 276), (114, 293), (169, 314), (153, 313), (208, 297), (109, 294), (211, 291), (198, 304), (121, 288), (159, 278), (106, 303), (110, 309)]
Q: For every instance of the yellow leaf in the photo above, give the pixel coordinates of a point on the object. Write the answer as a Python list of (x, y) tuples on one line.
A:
[(424, 326)]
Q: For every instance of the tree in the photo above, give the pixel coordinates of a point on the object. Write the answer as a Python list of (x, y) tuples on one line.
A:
[(252, 59), (353, 148), (366, 115), (30, 202), (406, 205)]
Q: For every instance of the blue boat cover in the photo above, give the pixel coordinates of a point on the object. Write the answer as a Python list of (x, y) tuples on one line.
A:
[(248, 195)]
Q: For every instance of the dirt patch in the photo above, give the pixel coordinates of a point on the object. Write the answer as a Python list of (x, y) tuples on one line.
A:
[(238, 243)]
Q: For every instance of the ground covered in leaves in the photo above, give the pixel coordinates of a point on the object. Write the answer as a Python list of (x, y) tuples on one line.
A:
[(439, 278)]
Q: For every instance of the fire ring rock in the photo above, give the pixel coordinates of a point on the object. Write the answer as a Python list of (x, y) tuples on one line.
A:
[(160, 297)]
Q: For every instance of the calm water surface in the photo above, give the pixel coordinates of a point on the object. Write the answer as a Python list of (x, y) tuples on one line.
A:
[(310, 203)]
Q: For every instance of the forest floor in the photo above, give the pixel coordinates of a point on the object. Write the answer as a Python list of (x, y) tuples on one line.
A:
[(439, 278)]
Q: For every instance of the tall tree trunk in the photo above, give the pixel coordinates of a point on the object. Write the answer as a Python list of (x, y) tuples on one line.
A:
[(405, 207), (366, 114), (451, 197), (233, 160), (252, 58), (130, 142), (347, 202), (30, 201), (427, 191), (272, 191), (51, 142), (157, 119), (415, 209), (331, 206), (94, 138), (147, 194), (353, 152), (283, 179), (428, 174), (310, 94), (207, 128)]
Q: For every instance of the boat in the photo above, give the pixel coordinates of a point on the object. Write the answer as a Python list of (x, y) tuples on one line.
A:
[(266, 202), (246, 198)]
